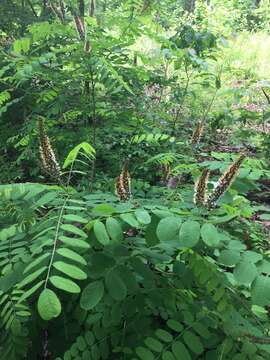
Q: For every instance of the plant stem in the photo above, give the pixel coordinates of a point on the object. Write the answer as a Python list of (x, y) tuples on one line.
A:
[(94, 123), (55, 241)]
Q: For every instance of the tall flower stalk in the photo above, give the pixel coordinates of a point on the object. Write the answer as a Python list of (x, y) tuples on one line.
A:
[(123, 184), (200, 188), (49, 163), (197, 133), (224, 182)]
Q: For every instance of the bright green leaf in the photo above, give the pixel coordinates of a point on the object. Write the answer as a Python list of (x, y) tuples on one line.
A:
[(130, 219), (229, 257), (65, 284), (49, 306), (168, 228), (143, 216), (73, 229), (70, 254), (101, 233), (87, 148), (189, 233), (260, 291), (114, 229), (210, 235), (70, 270), (73, 242), (245, 272)]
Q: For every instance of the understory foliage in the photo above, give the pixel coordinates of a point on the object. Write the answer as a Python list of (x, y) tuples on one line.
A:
[(135, 181)]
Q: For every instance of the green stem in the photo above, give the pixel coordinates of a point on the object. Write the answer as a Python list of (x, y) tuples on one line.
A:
[(55, 241)]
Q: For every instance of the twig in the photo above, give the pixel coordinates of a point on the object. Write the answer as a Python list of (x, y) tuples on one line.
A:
[(32, 7)]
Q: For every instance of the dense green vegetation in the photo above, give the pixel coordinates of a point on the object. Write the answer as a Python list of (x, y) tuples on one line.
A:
[(135, 179)]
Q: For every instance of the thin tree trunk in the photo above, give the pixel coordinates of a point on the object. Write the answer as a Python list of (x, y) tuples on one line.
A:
[(32, 8), (81, 8), (94, 128), (92, 7)]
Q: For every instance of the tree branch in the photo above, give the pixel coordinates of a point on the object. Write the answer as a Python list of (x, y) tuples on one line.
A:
[(91, 9), (57, 12), (266, 95), (81, 8), (258, 339), (32, 7)]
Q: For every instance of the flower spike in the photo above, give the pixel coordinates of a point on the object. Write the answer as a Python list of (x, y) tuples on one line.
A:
[(224, 182), (197, 133), (200, 188), (48, 159), (123, 184)]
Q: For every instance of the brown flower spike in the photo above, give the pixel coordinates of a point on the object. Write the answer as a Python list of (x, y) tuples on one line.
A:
[(48, 159), (200, 188), (197, 133), (123, 184), (166, 172), (224, 182)]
